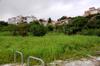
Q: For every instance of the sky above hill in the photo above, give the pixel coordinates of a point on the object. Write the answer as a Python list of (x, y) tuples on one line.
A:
[(45, 8)]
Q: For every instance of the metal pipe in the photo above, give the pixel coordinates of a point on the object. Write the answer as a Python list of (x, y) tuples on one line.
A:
[(34, 58), (22, 57)]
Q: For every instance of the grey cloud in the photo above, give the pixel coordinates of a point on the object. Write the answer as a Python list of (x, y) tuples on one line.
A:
[(45, 8)]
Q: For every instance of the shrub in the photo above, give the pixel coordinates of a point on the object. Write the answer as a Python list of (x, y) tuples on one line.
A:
[(38, 30), (59, 28), (3, 23), (75, 25), (3, 26), (94, 22), (22, 29), (91, 32), (50, 28)]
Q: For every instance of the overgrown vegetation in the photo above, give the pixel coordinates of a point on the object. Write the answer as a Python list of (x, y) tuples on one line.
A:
[(37, 29), (76, 25), (81, 25), (51, 47), (55, 42)]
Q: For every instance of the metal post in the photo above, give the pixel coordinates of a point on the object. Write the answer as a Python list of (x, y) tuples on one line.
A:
[(34, 58), (22, 58)]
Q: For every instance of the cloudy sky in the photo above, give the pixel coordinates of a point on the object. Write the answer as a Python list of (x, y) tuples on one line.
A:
[(45, 8)]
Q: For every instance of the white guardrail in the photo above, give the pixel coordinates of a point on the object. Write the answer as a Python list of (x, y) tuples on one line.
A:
[(16, 53), (35, 58), (21, 57)]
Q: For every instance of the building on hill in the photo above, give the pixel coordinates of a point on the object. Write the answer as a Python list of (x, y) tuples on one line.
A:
[(45, 22), (30, 18), (63, 20), (18, 19), (92, 11)]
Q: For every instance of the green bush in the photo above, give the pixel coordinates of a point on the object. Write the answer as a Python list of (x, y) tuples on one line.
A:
[(94, 22), (91, 32), (37, 29), (75, 25), (50, 28), (59, 28), (22, 29)]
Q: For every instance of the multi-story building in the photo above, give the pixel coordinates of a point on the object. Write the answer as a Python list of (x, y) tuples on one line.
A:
[(92, 11), (65, 20), (30, 18), (45, 22), (18, 19)]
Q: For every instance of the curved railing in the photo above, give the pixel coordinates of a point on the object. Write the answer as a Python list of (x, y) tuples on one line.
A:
[(21, 56), (35, 58)]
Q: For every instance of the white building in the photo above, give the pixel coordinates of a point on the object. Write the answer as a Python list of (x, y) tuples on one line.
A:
[(18, 19), (30, 18), (65, 20), (92, 11)]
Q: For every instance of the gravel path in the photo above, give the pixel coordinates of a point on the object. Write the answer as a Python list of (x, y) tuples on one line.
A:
[(82, 62)]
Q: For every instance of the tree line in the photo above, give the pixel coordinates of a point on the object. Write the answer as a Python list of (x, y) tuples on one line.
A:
[(89, 25)]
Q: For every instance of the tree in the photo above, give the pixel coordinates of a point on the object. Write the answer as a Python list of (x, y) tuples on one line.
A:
[(3, 23), (76, 25), (37, 29), (22, 28), (94, 22), (49, 20), (50, 27), (62, 18)]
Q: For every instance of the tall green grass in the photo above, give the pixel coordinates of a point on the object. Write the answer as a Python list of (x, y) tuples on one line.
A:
[(50, 47)]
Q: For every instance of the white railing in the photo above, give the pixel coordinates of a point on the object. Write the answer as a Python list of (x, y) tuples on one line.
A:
[(21, 57), (35, 58)]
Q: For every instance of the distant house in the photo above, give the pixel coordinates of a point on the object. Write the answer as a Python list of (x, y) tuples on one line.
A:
[(30, 18), (45, 22), (92, 11), (63, 20), (18, 19)]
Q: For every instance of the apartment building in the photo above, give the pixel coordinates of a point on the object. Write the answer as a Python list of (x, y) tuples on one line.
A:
[(18, 19), (92, 11)]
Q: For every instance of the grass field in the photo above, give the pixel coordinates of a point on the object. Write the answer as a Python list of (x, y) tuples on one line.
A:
[(49, 48)]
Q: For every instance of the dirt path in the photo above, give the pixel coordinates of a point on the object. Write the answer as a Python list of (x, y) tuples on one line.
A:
[(82, 62)]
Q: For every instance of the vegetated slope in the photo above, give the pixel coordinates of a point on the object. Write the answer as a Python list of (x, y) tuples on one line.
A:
[(49, 47)]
